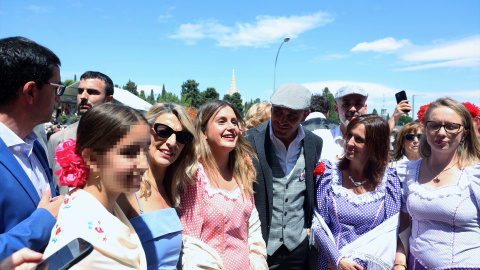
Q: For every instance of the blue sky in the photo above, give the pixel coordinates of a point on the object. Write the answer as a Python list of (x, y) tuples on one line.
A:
[(429, 48)]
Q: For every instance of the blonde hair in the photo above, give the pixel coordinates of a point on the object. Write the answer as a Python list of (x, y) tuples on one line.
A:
[(257, 114), (179, 174), (468, 151), (412, 127), (239, 159)]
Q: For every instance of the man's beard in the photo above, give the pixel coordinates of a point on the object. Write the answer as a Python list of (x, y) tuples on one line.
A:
[(347, 121)]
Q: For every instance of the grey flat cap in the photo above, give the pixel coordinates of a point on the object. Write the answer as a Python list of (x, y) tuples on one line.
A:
[(292, 96), (350, 90)]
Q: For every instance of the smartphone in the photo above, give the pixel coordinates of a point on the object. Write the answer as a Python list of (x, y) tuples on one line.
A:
[(401, 96), (67, 256)]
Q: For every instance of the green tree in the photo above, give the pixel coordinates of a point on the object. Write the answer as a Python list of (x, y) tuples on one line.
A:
[(116, 86), (374, 111), (131, 87), (333, 115), (190, 94), (142, 95), (236, 101), (75, 77), (151, 97), (209, 94), (69, 82), (249, 104), (404, 120)]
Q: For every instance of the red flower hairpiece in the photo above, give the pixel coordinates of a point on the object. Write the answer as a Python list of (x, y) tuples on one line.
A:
[(472, 109), (74, 172), (319, 170), (421, 112)]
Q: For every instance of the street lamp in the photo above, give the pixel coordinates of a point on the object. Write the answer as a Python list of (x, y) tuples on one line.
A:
[(413, 105), (275, 70)]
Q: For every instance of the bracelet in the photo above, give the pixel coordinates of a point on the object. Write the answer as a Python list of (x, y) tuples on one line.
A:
[(401, 264)]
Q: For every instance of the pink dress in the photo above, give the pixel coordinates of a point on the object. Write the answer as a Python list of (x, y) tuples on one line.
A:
[(218, 218)]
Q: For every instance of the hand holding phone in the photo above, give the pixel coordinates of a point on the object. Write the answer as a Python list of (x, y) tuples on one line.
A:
[(400, 96), (67, 256)]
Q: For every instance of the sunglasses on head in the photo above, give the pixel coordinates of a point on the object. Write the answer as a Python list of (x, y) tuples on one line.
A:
[(164, 131), (410, 137)]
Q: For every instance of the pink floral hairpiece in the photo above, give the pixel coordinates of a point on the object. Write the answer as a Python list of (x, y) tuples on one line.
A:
[(74, 172)]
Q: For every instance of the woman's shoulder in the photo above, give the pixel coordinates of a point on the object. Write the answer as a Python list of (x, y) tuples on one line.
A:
[(330, 172)]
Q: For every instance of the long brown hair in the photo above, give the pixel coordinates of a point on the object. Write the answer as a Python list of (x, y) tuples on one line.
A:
[(179, 174), (377, 145), (468, 151), (239, 159)]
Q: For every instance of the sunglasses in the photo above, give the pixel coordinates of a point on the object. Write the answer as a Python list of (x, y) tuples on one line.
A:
[(164, 131), (410, 137)]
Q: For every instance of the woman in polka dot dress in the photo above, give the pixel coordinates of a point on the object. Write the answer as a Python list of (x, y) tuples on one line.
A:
[(442, 192), (218, 210), (358, 201)]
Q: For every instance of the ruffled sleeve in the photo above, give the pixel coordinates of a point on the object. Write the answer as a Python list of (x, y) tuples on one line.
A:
[(393, 193), (407, 174), (325, 243), (474, 178), (192, 205)]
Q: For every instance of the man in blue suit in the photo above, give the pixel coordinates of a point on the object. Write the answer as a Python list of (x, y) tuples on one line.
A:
[(29, 86)]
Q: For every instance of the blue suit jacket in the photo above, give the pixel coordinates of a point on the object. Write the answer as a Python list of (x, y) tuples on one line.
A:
[(21, 223)]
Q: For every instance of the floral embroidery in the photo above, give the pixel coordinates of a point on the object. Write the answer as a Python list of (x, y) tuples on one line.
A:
[(319, 170), (58, 232), (67, 202), (98, 228)]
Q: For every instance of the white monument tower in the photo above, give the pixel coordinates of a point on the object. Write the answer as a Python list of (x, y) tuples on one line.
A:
[(233, 86)]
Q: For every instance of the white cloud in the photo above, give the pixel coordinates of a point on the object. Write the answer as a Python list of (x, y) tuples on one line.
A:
[(265, 30), (39, 9), (164, 17), (460, 49), (468, 62), (382, 45)]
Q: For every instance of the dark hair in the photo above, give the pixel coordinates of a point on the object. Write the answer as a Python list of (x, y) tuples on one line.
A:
[(239, 159), (412, 127), (377, 145), (21, 61), (103, 126), (320, 103), (98, 75)]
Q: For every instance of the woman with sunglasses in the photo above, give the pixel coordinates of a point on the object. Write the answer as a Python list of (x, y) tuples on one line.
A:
[(407, 142), (442, 193), (152, 210), (221, 225)]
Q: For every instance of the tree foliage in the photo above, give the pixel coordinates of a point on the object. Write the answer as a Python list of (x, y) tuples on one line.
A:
[(131, 87), (332, 116), (404, 120), (209, 94), (374, 111), (249, 104), (236, 101), (151, 97), (69, 82), (142, 95), (190, 94)]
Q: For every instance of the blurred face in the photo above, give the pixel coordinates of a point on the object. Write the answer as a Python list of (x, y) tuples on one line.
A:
[(122, 166), (91, 92), (476, 126), (442, 140), (350, 107), (164, 151), (222, 131), (285, 123), (355, 143), (48, 96), (411, 141)]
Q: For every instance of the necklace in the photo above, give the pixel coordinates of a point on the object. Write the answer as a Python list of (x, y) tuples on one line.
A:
[(357, 184), (436, 179)]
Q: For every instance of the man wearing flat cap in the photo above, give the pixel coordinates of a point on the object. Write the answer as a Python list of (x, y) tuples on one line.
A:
[(285, 187), (350, 102)]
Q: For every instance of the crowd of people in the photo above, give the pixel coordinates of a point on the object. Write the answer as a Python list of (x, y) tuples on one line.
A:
[(284, 188)]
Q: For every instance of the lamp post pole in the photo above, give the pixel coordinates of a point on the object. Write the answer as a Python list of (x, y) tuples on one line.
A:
[(413, 105), (275, 70)]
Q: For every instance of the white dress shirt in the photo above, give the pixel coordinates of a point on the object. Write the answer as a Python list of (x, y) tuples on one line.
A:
[(23, 152), (287, 157)]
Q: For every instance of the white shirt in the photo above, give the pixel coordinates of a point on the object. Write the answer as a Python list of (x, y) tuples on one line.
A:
[(332, 143), (287, 157), (23, 152)]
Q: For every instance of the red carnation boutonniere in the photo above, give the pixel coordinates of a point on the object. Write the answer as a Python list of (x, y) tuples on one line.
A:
[(319, 170)]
